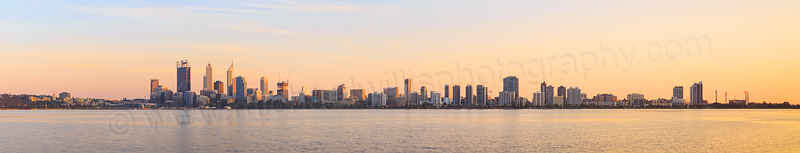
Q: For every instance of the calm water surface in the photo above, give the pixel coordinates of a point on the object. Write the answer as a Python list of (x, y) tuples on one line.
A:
[(588, 130)]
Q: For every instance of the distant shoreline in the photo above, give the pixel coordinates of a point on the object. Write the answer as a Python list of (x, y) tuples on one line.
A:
[(3, 109)]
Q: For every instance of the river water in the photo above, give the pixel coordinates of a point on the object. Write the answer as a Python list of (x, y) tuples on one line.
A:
[(373, 130)]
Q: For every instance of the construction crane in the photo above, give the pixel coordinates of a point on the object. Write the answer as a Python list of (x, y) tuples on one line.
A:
[(290, 75)]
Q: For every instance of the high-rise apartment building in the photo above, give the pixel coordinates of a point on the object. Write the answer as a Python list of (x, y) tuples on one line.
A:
[(538, 98), (446, 90), (511, 83), (562, 91), (507, 98), (469, 96), (574, 96), (457, 95), (548, 96), (696, 92), (482, 95)]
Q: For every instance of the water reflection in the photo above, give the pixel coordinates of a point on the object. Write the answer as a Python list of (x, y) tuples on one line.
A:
[(403, 130)]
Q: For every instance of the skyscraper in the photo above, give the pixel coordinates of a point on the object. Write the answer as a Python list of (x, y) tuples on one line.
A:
[(548, 96), (423, 93), (469, 95), (184, 76), (511, 83), (265, 86), (697, 94), (220, 87), (408, 86), (207, 78), (241, 88), (457, 95), (562, 91), (446, 90), (153, 85), (543, 87), (481, 95), (231, 82)]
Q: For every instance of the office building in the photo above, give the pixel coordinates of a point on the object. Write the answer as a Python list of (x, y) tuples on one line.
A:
[(207, 78), (153, 85), (264, 82), (391, 95), (423, 93), (219, 87), (184, 76), (64, 95), (340, 92), (231, 83), (188, 98), (558, 100), (636, 100), (413, 98), (408, 86), (511, 83), (357, 94), (241, 88)]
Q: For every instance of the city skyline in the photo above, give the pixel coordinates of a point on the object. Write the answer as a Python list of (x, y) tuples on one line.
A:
[(139, 46)]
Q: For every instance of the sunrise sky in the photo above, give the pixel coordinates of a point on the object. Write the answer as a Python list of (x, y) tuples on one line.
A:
[(111, 49)]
